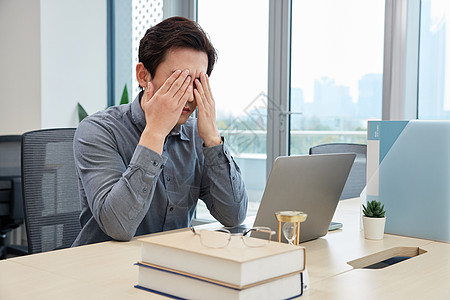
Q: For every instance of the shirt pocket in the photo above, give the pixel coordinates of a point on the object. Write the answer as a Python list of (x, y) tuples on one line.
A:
[(182, 189)]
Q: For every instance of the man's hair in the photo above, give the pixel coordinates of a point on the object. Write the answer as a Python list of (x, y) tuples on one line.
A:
[(173, 33)]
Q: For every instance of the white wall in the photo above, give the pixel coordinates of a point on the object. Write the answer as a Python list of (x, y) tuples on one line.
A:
[(73, 59), (20, 82), (52, 55)]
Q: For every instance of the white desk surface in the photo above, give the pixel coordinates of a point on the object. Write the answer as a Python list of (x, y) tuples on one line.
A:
[(107, 271)]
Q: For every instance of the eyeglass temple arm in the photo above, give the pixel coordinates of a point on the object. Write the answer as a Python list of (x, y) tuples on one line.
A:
[(260, 229), (193, 230)]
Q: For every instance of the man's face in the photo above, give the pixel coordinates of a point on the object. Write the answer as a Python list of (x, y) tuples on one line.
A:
[(181, 59)]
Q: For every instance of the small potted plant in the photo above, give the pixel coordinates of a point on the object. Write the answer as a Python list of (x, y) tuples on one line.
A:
[(374, 220)]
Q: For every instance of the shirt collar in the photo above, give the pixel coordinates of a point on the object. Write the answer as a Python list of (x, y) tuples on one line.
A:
[(138, 117), (181, 131)]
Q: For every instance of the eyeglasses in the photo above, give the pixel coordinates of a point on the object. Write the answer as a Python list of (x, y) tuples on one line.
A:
[(221, 238)]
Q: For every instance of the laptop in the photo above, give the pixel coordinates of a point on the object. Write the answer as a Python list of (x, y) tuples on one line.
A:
[(309, 183)]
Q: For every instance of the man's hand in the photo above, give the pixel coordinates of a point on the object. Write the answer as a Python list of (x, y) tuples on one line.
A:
[(206, 112), (163, 108)]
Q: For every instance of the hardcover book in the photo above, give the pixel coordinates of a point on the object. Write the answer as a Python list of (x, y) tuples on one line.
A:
[(235, 264), (182, 285)]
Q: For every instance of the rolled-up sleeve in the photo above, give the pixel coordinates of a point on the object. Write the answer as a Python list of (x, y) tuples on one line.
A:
[(223, 189)]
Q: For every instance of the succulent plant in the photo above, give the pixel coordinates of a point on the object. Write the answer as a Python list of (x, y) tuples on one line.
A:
[(374, 209)]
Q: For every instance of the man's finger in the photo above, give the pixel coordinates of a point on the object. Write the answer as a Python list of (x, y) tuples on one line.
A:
[(169, 81), (185, 96), (198, 99), (178, 83), (199, 87), (205, 85), (149, 92), (182, 91), (209, 87)]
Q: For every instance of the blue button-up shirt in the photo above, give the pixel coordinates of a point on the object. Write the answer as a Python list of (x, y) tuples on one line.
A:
[(127, 189)]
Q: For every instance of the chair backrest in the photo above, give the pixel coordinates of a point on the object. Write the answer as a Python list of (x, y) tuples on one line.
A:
[(356, 180), (11, 207), (50, 189)]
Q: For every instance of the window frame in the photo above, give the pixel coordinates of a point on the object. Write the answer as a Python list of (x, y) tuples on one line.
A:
[(401, 60), (400, 64)]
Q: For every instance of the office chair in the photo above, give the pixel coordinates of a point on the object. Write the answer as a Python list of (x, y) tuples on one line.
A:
[(50, 189), (11, 209), (356, 180)]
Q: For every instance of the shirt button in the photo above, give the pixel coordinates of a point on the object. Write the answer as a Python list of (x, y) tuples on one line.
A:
[(171, 209), (168, 178), (233, 178), (144, 190), (155, 163), (226, 152)]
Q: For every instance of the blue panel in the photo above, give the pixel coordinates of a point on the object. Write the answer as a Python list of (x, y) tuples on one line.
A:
[(390, 130), (373, 130), (414, 179)]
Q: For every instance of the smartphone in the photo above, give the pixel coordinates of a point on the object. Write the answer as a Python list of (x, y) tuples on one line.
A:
[(334, 226)]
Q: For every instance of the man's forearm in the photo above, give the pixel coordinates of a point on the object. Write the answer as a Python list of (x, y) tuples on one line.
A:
[(226, 194), (122, 210), (152, 141), (119, 201)]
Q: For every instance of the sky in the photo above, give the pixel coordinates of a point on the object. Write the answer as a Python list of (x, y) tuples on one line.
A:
[(328, 39), (241, 38), (439, 12)]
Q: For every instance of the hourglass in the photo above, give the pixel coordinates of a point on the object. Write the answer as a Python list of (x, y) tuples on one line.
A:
[(291, 226)]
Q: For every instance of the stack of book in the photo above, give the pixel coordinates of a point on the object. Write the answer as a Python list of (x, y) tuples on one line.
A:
[(177, 265)]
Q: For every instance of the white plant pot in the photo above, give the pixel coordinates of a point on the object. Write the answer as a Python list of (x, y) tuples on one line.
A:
[(374, 228)]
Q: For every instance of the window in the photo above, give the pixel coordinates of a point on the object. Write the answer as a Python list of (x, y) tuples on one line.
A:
[(336, 71), (239, 31), (131, 19), (335, 65), (434, 81)]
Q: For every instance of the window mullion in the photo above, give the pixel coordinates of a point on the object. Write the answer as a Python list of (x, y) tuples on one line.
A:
[(401, 58), (278, 79)]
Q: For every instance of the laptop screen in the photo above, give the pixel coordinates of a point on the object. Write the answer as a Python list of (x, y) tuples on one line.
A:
[(309, 183)]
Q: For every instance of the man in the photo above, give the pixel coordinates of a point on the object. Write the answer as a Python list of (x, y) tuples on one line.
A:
[(143, 166)]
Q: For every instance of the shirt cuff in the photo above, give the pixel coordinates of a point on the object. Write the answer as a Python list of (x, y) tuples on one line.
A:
[(148, 159), (217, 155)]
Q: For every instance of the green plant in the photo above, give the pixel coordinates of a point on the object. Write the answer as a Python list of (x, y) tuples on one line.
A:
[(123, 100), (81, 112), (374, 209)]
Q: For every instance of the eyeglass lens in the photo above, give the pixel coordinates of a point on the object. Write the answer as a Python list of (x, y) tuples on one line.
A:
[(214, 239), (263, 239)]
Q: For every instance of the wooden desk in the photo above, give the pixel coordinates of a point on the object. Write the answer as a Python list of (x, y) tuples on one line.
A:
[(106, 270), (426, 276)]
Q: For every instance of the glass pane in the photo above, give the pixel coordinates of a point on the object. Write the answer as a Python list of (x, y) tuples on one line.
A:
[(434, 93), (239, 31), (336, 71), (131, 21)]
